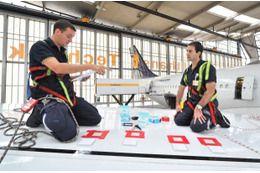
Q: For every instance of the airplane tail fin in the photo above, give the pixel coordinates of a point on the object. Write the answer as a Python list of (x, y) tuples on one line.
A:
[(139, 66)]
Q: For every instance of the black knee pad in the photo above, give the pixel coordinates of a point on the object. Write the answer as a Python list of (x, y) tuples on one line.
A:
[(58, 120), (179, 121), (35, 119), (196, 128), (176, 119), (98, 120)]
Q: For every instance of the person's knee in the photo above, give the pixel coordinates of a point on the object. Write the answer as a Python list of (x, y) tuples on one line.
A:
[(66, 135), (94, 120), (197, 127), (58, 120), (179, 121), (97, 120)]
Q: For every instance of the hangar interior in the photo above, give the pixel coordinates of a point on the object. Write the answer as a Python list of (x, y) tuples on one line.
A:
[(151, 139), (161, 30)]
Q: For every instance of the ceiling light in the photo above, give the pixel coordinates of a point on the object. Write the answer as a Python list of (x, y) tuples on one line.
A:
[(222, 11), (247, 19), (187, 28), (221, 32), (234, 34)]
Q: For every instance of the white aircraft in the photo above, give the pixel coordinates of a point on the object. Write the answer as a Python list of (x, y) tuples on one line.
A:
[(236, 87)]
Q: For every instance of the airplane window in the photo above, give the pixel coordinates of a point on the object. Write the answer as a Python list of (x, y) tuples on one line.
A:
[(226, 86), (221, 86), (238, 89)]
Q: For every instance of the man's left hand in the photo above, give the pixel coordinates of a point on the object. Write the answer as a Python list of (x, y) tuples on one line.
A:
[(198, 116)]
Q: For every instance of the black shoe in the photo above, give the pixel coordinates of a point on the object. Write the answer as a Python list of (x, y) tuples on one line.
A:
[(35, 119), (222, 120)]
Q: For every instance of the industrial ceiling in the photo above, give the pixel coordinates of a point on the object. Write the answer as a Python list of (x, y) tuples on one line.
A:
[(167, 18)]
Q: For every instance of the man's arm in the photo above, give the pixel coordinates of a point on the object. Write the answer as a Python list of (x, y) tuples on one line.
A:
[(204, 101), (179, 97), (65, 68)]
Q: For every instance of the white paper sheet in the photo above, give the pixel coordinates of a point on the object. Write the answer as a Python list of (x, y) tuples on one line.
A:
[(130, 141), (82, 76), (179, 147), (217, 149), (87, 141)]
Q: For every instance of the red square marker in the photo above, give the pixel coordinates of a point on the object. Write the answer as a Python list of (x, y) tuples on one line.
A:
[(173, 139), (209, 141), (134, 134), (96, 134)]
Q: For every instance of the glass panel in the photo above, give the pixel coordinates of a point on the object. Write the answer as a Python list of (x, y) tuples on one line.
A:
[(15, 83), (233, 47), (172, 59), (179, 60), (113, 56), (15, 39), (0, 82), (222, 46), (127, 60), (163, 61), (88, 46), (185, 59), (1, 37), (155, 58)]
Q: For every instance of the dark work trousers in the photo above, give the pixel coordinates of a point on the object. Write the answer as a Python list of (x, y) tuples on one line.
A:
[(85, 113), (185, 118)]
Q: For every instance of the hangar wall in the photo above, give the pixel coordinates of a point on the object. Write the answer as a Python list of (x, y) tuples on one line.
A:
[(18, 32)]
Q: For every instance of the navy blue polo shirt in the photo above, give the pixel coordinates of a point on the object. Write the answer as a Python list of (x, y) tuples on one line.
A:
[(41, 51), (194, 75)]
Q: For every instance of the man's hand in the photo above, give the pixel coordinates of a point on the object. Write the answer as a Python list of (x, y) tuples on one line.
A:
[(100, 69), (178, 108), (198, 115)]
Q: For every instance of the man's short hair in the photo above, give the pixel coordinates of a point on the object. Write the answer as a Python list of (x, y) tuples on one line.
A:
[(198, 46), (63, 25)]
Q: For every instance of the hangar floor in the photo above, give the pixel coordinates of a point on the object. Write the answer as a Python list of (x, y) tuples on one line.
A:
[(162, 146)]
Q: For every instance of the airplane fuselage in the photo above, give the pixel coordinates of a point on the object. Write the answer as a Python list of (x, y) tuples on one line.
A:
[(236, 87)]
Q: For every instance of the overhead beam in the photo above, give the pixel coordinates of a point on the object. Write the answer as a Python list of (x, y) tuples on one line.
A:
[(156, 13), (191, 16), (240, 28), (254, 29), (157, 5), (102, 3), (228, 26)]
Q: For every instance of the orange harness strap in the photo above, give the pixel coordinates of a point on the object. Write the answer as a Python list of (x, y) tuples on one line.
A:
[(189, 104), (212, 112)]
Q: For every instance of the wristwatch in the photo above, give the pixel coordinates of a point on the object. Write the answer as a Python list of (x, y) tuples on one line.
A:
[(199, 107)]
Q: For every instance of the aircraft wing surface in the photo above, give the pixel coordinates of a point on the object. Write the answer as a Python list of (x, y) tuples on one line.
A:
[(161, 146)]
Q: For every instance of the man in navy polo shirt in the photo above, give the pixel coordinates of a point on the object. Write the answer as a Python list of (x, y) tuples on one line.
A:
[(200, 110), (50, 72)]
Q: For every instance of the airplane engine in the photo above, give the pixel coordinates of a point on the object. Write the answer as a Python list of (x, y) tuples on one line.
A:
[(170, 100)]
